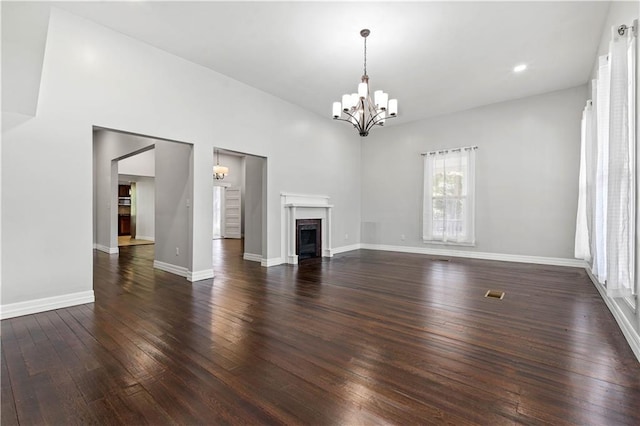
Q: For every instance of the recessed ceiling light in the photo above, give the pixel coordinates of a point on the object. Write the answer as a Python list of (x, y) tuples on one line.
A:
[(520, 68)]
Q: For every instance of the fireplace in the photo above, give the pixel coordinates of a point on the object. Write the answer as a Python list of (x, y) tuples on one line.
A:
[(308, 238), (300, 207)]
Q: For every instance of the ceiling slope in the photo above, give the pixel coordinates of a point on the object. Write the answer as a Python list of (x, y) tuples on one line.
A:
[(435, 57)]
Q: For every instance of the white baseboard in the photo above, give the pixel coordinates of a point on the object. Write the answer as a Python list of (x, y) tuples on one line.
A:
[(344, 249), (204, 274), (557, 261), (252, 257), (272, 262), (12, 310), (630, 334), (181, 271), (174, 269), (144, 237), (105, 249)]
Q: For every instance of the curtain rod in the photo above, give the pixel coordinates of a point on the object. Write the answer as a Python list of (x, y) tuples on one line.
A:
[(444, 151), (634, 28)]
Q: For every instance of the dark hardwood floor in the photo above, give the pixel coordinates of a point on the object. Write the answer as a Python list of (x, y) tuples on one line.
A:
[(364, 338)]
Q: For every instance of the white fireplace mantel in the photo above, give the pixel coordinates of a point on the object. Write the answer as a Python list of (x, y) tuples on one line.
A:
[(300, 206)]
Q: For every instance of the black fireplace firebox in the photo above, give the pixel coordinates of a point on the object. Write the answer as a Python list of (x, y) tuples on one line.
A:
[(308, 238)]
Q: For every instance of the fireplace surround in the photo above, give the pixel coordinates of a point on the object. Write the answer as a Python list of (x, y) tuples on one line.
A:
[(299, 206)]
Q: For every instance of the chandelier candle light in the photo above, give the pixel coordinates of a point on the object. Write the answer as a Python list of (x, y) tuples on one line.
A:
[(219, 172), (358, 108)]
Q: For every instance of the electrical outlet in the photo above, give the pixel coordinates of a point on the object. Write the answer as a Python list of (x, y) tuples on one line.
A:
[(177, 251), (346, 236), (402, 237)]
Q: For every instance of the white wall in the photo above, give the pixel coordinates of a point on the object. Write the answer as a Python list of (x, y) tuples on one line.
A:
[(526, 175), (253, 206), (92, 76), (143, 164), (173, 198), (145, 209), (21, 79)]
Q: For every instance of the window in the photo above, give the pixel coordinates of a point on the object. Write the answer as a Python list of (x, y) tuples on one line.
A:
[(606, 220), (449, 202)]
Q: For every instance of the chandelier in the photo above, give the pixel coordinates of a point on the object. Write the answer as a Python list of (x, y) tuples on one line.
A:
[(358, 108), (219, 172)]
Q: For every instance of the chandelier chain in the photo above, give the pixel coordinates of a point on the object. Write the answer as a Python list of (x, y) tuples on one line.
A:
[(365, 56)]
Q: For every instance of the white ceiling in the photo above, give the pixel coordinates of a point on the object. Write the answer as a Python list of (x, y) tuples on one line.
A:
[(435, 57)]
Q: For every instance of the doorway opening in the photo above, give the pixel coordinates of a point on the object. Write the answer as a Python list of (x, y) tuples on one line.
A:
[(136, 198), (239, 203), (142, 191)]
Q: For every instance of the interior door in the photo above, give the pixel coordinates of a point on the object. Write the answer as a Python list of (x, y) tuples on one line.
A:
[(232, 211)]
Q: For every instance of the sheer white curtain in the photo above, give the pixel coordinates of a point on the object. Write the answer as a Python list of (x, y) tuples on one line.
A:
[(593, 189), (449, 196), (602, 167), (621, 180), (605, 229), (582, 249)]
